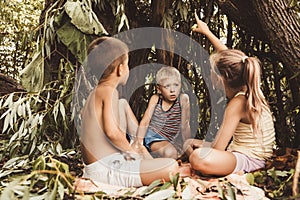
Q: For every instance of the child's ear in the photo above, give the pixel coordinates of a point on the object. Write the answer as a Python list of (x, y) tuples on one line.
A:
[(158, 89), (119, 70)]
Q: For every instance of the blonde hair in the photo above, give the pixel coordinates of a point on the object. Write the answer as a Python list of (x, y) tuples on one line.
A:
[(167, 72), (239, 70), (105, 54)]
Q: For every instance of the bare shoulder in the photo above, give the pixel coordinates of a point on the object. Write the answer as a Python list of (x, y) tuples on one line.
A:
[(154, 99), (103, 92), (184, 98), (237, 104)]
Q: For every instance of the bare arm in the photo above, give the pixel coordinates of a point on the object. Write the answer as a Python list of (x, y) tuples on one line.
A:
[(142, 129), (110, 110), (185, 117), (146, 118), (235, 111), (203, 29)]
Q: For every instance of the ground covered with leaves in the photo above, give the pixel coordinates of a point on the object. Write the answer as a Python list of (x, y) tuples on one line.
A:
[(275, 180), (56, 177)]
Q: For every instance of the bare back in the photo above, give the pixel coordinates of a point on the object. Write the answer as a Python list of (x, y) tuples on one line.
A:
[(94, 142)]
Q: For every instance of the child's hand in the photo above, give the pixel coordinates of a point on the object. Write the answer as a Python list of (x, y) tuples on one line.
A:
[(196, 146), (128, 155), (141, 149), (136, 144), (200, 27)]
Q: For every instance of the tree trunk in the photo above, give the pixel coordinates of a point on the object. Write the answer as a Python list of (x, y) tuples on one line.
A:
[(272, 21), (281, 24), (9, 85)]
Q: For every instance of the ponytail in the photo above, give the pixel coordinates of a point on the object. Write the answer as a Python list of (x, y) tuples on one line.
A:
[(240, 70), (256, 101)]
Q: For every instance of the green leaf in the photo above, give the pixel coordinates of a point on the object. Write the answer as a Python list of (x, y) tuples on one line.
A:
[(174, 180), (83, 17), (162, 194), (26, 193), (60, 190), (39, 163), (62, 110), (8, 102), (76, 41), (230, 191), (151, 186), (221, 191), (250, 178), (166, 185), (10, 163), (55, 112), (13, 137), (6, 122), (123, 20), (32, 76), (8, 192), (52, 193), (282, 173)]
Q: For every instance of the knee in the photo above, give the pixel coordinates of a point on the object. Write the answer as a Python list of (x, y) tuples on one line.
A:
[(187, 144), (173, 168), (197, 161), (194, 159), (170, 152)]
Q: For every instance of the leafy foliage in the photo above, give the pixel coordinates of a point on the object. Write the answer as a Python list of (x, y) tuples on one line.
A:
[(31, 120), (38, 124), (18, 19), (48, 179), (276, 183)]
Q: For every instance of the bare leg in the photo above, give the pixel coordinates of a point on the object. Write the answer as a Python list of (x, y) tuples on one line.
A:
[(212, 161), (164, 149), (128, 120), (159, 168)]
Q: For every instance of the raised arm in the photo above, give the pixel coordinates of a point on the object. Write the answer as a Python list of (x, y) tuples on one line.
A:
[(185, 117), (203, 29)]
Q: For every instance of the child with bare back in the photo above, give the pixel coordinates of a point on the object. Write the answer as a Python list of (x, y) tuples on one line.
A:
[(108, 157), (246, 136), (165, 124)]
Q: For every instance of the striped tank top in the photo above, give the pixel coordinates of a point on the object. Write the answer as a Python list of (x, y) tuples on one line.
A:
[(167, 123)]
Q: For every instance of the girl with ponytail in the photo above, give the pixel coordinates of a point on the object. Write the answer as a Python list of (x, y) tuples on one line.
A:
[(246, 136)]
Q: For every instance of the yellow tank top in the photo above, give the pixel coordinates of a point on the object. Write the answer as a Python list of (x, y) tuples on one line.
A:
[(259, 145)]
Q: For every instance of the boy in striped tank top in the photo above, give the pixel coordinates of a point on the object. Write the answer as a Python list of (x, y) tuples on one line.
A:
[(165, 124)]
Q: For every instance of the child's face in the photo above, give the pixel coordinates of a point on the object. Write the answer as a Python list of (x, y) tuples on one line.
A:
[(170, 88)]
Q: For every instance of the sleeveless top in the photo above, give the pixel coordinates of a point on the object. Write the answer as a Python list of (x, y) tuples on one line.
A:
[(167, 123), (259, 145)]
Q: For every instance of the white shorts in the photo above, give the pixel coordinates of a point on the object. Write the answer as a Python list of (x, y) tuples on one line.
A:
[(247, 164), (115, 170)]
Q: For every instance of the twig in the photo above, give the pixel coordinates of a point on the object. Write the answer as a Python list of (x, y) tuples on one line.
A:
[(296, 176)]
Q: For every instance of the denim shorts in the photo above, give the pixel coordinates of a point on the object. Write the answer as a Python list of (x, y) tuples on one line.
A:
[(152, 136)]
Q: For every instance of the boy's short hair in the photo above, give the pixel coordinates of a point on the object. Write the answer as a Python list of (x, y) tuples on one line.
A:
[(105, 54), (167, 72)]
